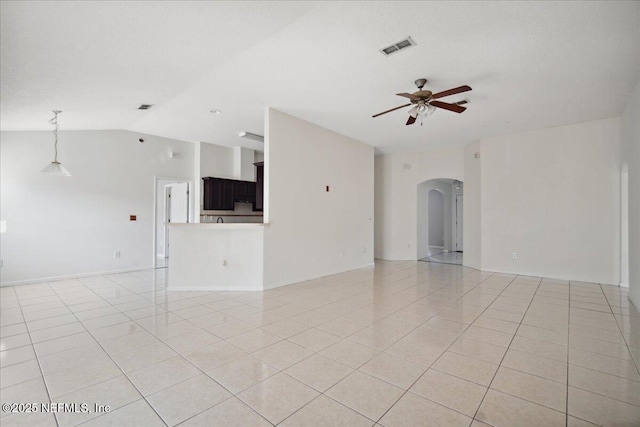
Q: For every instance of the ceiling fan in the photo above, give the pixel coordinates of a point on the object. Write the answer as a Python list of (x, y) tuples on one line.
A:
[(425, 102)]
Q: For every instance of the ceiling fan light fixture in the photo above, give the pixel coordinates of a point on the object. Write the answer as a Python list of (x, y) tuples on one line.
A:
[(414, 112), (430, 110)]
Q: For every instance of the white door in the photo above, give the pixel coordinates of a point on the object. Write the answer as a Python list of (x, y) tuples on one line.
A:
[(459, 222), (177, 208), (179, 196)]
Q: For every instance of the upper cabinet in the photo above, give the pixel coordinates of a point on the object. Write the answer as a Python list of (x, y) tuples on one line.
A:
[(259, 186), (245, 191), (220, 194)]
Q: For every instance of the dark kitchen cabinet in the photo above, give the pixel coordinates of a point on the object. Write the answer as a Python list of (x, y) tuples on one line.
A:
[(218, 194), (259, 187), (245, 191)]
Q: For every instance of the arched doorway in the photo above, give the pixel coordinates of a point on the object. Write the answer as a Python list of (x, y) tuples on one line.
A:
[(439, 221)]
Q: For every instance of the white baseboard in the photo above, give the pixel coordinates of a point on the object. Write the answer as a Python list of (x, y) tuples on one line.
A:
[(72, 276), (553, 277)]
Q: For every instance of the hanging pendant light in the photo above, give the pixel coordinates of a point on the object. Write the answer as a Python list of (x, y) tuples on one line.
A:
[(55, 167)]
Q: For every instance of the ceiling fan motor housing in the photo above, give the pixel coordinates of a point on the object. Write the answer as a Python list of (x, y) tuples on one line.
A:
[(424, 95), (420, 83)]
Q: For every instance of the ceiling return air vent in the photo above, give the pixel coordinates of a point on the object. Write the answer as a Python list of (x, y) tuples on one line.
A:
[(145, 106), (397, 47)]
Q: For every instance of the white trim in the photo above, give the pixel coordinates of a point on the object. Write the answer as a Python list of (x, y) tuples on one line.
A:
[(623, 285), (73, 276), (544, 276)]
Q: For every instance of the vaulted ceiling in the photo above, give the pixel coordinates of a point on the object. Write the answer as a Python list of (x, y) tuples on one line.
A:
[(531, 65)]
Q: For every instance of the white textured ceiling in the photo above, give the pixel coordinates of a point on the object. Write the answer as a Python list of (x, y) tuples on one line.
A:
[(531, 65)]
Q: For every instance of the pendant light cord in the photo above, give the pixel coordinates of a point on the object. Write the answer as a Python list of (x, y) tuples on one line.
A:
[(54, 122)]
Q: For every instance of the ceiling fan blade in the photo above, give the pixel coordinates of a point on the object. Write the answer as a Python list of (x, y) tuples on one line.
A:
[(393, 109), (408, 95), (446, 106), (464, 101), (411, 120), (453, 91)]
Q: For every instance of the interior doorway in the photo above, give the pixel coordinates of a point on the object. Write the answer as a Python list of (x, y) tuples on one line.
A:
[(440, 224), (174, 202)]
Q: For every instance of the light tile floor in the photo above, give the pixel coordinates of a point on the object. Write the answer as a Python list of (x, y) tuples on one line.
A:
[(436, 254), (404, 344)]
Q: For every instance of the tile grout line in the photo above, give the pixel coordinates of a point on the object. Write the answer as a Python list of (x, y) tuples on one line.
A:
[(109, 355), (566, 403), (626, 342), (448, 347), (179, 353), (380, 379), (137, 292), (231, 394), (46, 387), (508, 347)]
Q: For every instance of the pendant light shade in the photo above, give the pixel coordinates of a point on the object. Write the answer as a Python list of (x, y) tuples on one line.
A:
[(55, 167)]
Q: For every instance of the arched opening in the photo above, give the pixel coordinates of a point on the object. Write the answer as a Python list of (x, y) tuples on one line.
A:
[(624, 226), (439, 221)]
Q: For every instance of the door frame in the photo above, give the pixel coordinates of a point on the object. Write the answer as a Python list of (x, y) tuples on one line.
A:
[(192, 203)]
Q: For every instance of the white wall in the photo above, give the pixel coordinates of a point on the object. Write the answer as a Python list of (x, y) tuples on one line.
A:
[(217, 161), (630, 137), (397, 178), (311, 232), (471, 233), (216, 257), (69, 226), (243, 166), (383, 203), (552, 196)]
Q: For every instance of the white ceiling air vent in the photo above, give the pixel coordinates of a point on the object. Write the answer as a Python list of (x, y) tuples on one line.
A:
[(145, 106), (396, 47)]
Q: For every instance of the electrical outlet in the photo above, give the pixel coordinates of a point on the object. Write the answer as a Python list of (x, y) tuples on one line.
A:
[(515, 255), (116, 254)]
